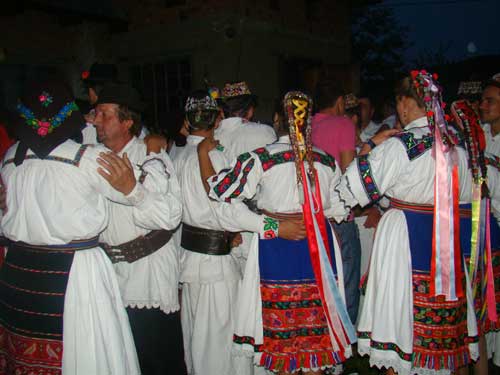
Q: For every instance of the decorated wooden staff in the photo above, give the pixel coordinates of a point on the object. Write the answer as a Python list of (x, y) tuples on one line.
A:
[(480, 247)]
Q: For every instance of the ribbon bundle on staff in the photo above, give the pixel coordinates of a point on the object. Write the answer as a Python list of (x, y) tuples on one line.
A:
[(298, 107), (468, 120)]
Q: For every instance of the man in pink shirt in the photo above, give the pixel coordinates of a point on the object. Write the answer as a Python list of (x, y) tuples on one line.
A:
[(331, 130), (336, 134)]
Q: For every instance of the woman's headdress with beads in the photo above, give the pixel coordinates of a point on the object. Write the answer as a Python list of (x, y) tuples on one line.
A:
[(430, 91)]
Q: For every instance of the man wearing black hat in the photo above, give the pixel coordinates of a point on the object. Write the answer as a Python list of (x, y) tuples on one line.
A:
[(61, 309), (94, 80), (137, 239)]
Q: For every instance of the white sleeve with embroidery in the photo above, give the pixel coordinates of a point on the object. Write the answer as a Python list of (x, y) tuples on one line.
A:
[(161, 207), (369, 176), (238, 183)]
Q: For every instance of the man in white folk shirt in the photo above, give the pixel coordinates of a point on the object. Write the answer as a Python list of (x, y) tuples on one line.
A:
[(209, 274), (368, 127), (238, 134), (138, 240)]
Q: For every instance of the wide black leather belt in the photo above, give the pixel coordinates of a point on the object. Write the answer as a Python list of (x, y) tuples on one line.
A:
[(206, 241), (138, 248)]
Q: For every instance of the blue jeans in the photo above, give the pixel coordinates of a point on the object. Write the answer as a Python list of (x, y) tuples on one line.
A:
[(348, 236)]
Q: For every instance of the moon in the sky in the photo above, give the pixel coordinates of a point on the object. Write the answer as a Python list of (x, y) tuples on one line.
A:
[(471, 47)]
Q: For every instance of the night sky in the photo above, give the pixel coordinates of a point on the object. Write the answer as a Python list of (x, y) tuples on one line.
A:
[(454, 24)]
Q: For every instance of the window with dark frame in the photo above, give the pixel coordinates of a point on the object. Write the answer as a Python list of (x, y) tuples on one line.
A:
[(164, 87)]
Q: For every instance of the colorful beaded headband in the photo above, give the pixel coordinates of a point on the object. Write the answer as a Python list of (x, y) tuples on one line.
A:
[(235, 89), (204, 104)]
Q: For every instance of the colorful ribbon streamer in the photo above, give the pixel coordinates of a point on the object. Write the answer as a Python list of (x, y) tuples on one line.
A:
[(342, 332)]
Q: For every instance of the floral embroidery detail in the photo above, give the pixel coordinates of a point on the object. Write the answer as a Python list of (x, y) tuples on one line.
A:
[(232, 176), (243, 181), (385, 346), (45, 99), (46, 126), (415, 146), (271, 227), (246, 340), (492, 160), (369, 184), (440, 337), (295, 329), (269, 160), (85, 74)]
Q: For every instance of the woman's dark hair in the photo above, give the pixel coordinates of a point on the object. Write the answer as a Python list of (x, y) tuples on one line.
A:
[(238, 106), (405, 88), (327, 93)]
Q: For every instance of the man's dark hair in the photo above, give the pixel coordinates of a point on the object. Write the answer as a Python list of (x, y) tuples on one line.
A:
[(327, 93), (238, 106), (125, 113), (367, 95), (350, 112)]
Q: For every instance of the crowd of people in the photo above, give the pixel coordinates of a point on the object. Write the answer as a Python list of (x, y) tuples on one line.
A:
[(242, 251)]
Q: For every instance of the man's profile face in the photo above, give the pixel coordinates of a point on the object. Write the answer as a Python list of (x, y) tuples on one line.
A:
[(366, 110), (490, 104), (108, 126)]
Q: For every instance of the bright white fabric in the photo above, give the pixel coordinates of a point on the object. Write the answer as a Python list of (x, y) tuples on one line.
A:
[(390, 121), (387, 310), (370, 130), (52, 203), (89, 134), (239, 136), (152, 281), (492, 142), (210, 283)]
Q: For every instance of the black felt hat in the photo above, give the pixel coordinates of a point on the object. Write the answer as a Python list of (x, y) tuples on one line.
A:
[(100, 74), (122, 94), (47, 116)]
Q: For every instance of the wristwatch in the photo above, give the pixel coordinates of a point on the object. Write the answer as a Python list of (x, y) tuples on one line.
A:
[(371, 144)]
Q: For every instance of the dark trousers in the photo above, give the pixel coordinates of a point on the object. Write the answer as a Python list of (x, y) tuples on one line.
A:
[(350, 245), (158, 341)]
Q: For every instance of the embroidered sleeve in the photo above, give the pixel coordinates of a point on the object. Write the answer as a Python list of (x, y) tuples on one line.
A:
[(369, 176), (161, 206), (238, 183), (492, 160), (367, 179), (270, 228)]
